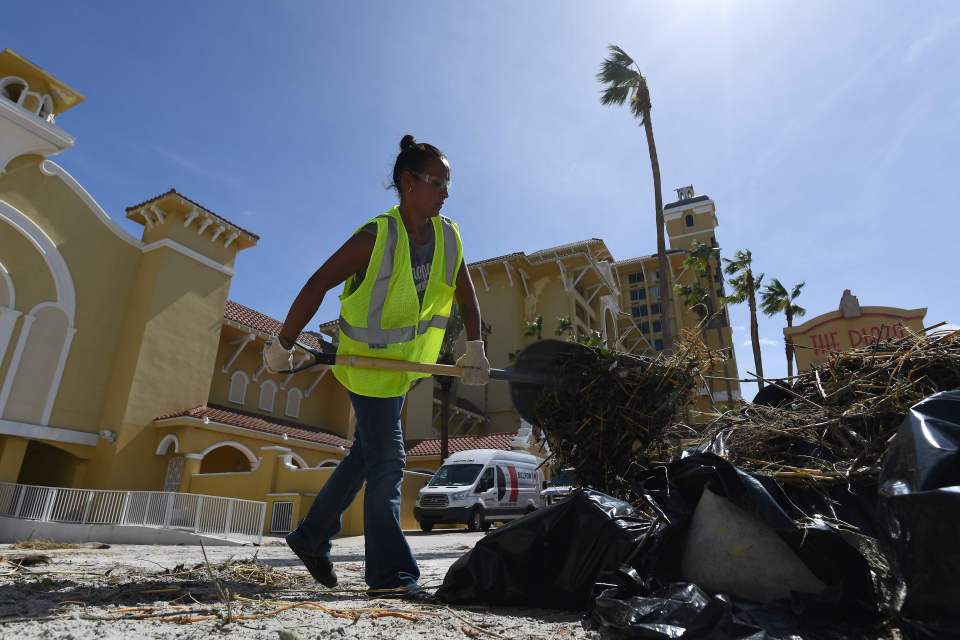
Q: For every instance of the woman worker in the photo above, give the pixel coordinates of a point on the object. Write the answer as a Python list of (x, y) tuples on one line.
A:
[(402, 270)]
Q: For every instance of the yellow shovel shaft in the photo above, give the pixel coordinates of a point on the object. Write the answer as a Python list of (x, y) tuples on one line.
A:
[(400, 365)]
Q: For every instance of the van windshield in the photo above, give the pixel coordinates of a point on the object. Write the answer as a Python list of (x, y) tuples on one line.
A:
[(455, 475)]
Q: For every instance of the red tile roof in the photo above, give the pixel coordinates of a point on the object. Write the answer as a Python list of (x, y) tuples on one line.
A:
[(194, 203), (251, 421), (463, 443), (236, 312)]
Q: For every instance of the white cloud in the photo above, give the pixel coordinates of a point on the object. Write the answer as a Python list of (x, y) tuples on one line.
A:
[(764, 342), (199, 168), (927, 41), (739, 327)]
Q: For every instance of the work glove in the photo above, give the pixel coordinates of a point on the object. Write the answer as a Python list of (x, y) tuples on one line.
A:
[(476, 367), (275, 357)]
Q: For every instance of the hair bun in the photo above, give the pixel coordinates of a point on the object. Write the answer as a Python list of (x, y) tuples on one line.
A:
[(407, 141)]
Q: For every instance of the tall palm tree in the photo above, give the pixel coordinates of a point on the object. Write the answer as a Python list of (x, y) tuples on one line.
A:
[(699, 260), (623, 80), (745, 286), (776, 299)]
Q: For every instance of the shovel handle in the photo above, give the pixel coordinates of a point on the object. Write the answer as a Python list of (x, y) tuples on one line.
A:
[(399, 365), (330, 359)]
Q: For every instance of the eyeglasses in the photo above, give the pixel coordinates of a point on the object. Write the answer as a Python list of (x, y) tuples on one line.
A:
[(437, 183)]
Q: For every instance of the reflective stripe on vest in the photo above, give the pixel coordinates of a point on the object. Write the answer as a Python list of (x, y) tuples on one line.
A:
[(376, 336)]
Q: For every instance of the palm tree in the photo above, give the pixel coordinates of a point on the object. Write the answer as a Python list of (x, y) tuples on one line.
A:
[(745, 287), (623, 80), (775, 299), (453, 331), (699, 261)]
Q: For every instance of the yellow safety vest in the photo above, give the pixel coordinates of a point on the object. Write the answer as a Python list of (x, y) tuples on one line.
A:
[(383, 317)]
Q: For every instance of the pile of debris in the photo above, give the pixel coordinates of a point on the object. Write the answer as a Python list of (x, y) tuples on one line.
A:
[(612, 416), (607, 414), (835, 422), (829, 511)]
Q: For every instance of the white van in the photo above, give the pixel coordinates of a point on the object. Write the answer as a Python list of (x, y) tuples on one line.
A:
[(479, 487)]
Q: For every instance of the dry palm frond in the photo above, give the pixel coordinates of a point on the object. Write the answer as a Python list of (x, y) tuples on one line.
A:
[(39, 544), (838, 418), (614, 416), (608, 414)]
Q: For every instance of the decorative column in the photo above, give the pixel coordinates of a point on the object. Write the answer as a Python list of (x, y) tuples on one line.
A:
[(191, 465)]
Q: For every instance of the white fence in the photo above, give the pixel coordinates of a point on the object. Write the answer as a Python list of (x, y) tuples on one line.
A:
[(205, 515)]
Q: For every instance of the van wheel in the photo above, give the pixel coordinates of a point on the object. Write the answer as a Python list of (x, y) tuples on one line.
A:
[(476, 521), (426, 526)]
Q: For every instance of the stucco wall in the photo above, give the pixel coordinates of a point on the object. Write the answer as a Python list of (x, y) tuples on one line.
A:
[(102, 267), (327, 407), (274, 478)]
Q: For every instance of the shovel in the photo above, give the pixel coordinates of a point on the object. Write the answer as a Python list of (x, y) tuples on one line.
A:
[(536, 368)]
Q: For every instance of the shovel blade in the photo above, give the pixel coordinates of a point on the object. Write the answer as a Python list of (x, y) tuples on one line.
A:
[(542, 362)]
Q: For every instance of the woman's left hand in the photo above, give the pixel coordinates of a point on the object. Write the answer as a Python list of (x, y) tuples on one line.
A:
[(476, 367)]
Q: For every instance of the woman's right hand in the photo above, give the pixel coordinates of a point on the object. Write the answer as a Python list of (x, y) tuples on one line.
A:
[(275, 357)]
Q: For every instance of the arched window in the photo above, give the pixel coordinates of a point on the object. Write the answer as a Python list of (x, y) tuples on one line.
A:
[(238, 387), (12, 88), (46, 108), (689, 220), (45, 346), (268, 392), (294, 396)]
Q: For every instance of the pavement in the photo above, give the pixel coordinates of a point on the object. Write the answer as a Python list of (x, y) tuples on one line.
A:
[(128, 591)]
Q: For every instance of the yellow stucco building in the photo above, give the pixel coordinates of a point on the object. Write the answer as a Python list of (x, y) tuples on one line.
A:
[(124, 365)]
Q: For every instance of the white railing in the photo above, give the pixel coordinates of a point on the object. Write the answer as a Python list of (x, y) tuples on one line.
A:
[(208, 515)]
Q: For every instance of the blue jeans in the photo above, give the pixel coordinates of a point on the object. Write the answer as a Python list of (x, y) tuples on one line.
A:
[(377, 457)]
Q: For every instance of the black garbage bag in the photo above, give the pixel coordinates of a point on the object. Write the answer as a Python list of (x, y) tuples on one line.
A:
[(677, 610), (799, 525), (919, 515), (550, 558)]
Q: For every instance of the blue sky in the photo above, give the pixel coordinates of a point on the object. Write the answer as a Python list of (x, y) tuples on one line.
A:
[(827, 133)]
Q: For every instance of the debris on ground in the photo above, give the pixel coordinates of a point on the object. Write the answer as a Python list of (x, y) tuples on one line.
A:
[(19, 561), (767, 514), (171, 592), (40, 544)]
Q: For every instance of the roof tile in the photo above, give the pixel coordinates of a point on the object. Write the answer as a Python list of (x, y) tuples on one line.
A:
[(194, 203), (251, 421), (241, 314), (462, 443)]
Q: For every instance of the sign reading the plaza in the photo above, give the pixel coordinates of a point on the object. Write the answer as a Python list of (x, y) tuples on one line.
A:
[(849, 327)]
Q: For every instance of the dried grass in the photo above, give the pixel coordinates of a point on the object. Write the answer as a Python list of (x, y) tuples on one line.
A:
[(39, 544), (607, 413), (838, 418), (613, 416)]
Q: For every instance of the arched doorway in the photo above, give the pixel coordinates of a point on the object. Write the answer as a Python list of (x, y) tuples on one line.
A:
[(46, 465), (226, 458)]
